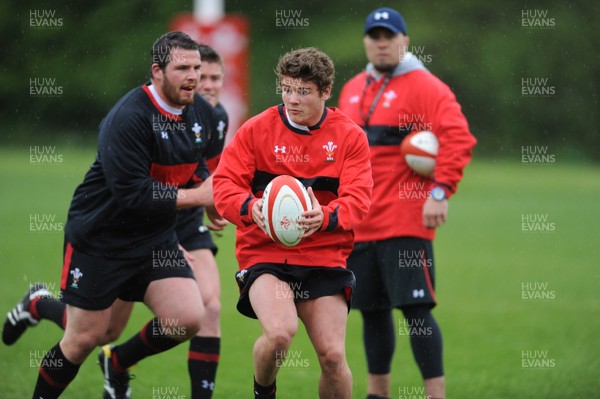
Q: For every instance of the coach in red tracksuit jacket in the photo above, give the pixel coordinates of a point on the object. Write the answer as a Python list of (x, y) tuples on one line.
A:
[(329, 153), (393, 257)]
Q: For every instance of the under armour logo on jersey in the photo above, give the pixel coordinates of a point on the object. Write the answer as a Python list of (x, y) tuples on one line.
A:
[(164, 135), (380, 15), (279, 149), (419, 293), (354, 99)]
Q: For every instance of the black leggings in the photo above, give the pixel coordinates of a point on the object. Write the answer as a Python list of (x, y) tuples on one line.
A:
[(379, 336)]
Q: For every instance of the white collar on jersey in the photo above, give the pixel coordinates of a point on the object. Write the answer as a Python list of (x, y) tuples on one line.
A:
[(294, 124), (162, 103)]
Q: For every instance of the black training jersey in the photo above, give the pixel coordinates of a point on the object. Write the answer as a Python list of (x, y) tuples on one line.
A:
[(194, 216), (125, 205), (191, 219), (222, 124)]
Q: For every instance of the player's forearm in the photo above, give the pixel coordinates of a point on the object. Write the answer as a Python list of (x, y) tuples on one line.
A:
[(201, 195), (455, 139), (353, 204), (356, 188), (233, 203), (233, 195), (345, 213)]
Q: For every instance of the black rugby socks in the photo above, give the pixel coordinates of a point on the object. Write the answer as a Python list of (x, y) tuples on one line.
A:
[(203, 360)]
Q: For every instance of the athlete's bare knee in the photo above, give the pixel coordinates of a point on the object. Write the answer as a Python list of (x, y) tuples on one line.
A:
[(332, 360), (111, 336), (192, 321), (83, 343), (210, 324), (280, 337), (212, 309)]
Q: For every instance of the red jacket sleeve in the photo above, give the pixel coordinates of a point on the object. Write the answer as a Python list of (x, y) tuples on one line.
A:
[(233, 178), (451, 128), (354, 193)]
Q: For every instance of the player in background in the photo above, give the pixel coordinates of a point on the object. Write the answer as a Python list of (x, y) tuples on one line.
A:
[(122, 220), (278, 284), (199, 248), (393, 257), (39, 303)]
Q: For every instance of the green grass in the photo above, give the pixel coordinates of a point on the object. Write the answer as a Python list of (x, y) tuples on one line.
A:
[(482, 255)]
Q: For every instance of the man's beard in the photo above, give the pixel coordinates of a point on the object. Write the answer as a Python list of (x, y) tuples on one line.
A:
[(385, 68), (172, 93)]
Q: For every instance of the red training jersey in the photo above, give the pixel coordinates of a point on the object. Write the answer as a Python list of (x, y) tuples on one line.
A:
[(410, 99), (332, 157)]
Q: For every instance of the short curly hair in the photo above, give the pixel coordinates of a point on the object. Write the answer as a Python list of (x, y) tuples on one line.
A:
[(309, 64)]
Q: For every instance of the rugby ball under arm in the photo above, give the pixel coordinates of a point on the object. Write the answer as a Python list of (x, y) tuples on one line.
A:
[(419, 150)]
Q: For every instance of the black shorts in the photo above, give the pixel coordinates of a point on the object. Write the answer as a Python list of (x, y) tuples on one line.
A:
[(393, 273), (306, 282), (191, 231), (94, 283)]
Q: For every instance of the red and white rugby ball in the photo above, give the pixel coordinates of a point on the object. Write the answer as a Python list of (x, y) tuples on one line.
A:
[(284, 200), (419, 150)]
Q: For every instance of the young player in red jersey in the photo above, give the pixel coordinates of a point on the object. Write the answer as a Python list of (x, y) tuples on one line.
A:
[(329, 153), (393, 256)]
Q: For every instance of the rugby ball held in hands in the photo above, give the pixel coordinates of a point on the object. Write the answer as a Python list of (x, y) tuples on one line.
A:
[(419, 150), (284, 200)]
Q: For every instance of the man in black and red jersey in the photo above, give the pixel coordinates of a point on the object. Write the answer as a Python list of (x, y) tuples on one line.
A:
[(329, 153), (199, 249), (120, 241), (393, 257)]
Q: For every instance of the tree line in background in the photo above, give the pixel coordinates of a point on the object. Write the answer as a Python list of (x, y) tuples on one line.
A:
[(526, 76)]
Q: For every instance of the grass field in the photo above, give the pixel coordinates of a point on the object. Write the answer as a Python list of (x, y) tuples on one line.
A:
[(517, 283)]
